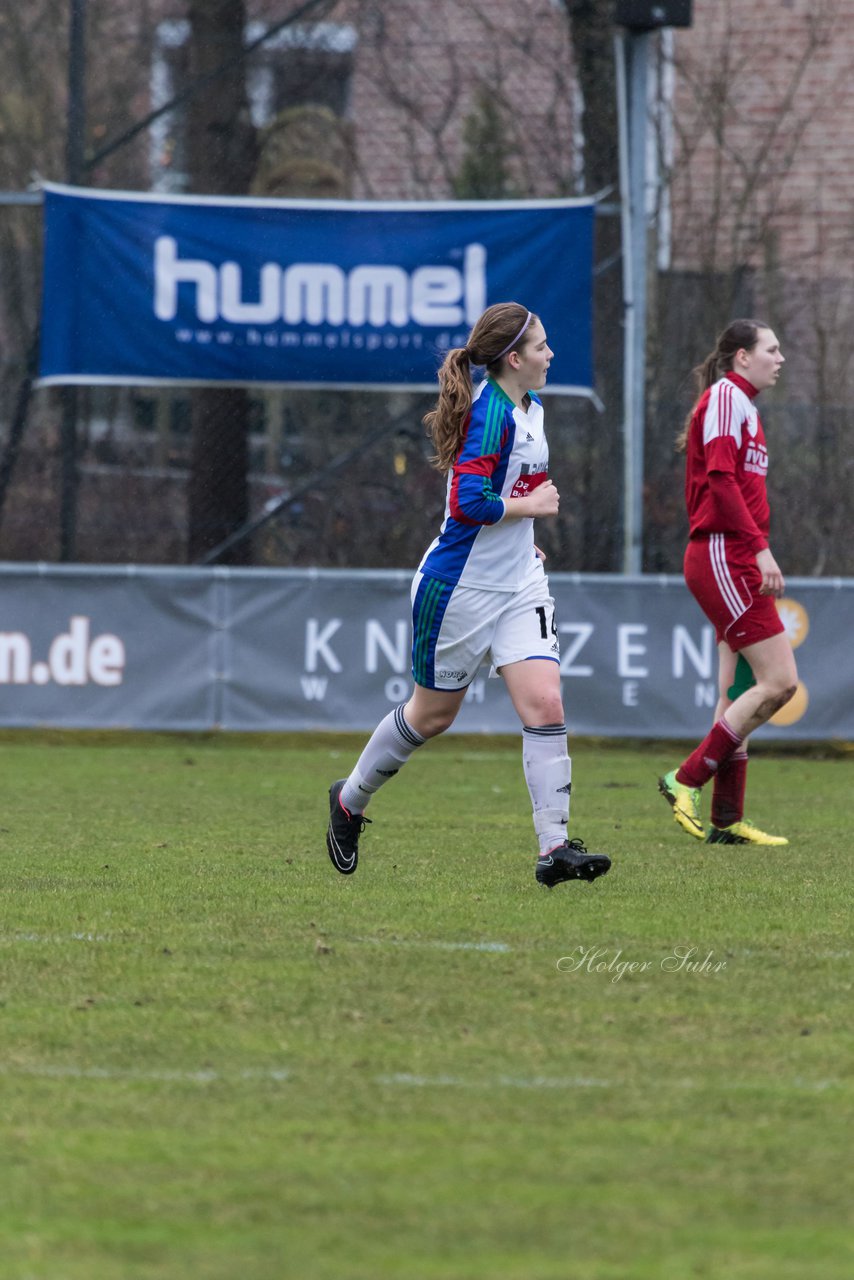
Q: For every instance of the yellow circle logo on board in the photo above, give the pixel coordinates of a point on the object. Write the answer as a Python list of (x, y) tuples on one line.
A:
[(795, 619), (793, 709)]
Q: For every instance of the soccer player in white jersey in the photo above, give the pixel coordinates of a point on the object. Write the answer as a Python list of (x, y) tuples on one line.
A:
[(734, 578), (481, 594)]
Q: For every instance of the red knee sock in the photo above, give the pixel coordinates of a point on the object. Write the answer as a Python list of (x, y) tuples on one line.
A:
[(716, 747), (728, 792)]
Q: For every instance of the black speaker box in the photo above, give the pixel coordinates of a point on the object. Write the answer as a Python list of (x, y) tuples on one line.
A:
[(646, 15)]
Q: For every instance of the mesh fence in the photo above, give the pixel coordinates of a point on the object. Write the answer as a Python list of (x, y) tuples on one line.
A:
[(397, 100)]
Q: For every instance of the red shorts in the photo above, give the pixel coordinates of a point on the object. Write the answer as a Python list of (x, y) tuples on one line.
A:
[(724, 578)]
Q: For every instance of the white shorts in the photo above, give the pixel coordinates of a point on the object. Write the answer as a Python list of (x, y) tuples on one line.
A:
[(455, 630)]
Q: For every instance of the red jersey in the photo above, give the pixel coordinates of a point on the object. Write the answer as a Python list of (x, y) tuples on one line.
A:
[(727, 462)]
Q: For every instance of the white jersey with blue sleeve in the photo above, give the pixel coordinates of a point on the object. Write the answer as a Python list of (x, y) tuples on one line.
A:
[(504, 455)]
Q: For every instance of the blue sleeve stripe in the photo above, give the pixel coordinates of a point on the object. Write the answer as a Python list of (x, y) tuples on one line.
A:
[(492, 428), (485, 426)]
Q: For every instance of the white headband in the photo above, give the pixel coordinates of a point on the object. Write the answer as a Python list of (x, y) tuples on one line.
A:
[(511, 345)]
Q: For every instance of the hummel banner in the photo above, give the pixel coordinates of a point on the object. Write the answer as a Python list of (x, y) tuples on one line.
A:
[(142, 289)]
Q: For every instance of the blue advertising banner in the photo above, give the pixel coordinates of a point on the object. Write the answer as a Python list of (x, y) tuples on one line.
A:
[(143, 289)]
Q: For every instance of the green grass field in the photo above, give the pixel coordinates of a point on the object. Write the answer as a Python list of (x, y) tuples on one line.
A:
[(221, 1060)]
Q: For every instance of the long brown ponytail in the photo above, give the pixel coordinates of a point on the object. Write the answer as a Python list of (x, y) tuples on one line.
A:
[(738, 335), (501, 329)]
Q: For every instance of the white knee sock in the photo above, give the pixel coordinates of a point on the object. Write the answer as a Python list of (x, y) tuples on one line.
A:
[(548, 773), (390, 746)]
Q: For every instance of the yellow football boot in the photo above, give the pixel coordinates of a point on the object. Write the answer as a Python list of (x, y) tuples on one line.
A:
[(685, 802), (743, 832)]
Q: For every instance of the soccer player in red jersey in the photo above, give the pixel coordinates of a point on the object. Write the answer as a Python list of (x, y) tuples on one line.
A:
[(733, 576)]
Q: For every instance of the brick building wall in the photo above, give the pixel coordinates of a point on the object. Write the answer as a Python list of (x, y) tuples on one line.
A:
[(418, 75), (763, 126), (421, 72), (764, 115)]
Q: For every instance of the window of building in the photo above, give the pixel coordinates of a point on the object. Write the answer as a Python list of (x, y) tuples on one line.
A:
[(298, 65)]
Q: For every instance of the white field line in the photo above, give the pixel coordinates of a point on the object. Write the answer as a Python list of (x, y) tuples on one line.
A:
[(46, 937), (48, 1071), (403, 1078), (398, 1079), (436, 945), (499, 948), (754, 953), (496, 1082)]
